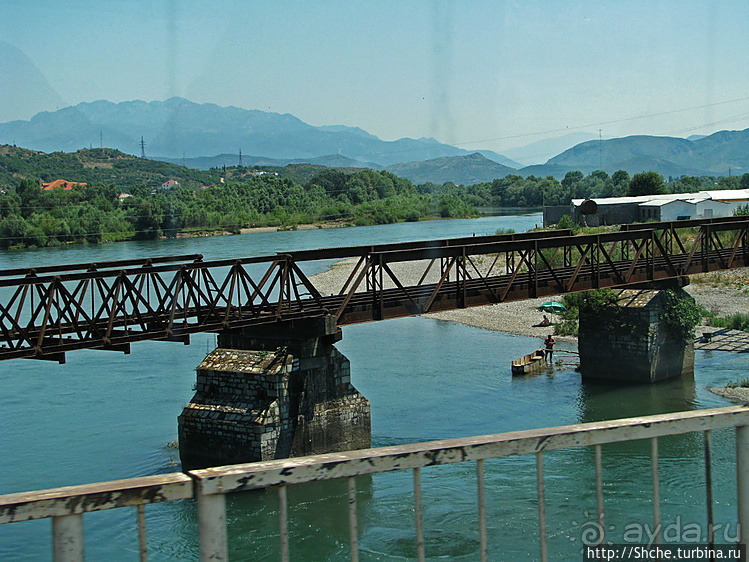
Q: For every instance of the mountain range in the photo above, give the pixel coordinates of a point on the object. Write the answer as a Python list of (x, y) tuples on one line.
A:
[(175, 128), (715, 154)]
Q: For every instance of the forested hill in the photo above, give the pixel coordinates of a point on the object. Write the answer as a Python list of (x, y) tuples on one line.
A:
[(110, 166), (123, 198), (97, 165)]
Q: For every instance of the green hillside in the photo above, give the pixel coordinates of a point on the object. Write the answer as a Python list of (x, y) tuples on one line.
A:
[(217, 200), (97, 165)]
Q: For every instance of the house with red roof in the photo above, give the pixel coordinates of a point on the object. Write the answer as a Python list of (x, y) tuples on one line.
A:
[(61, 184), (169, 184)]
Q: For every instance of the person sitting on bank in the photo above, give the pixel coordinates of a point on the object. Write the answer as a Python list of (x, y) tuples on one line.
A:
[(549, 351), (545, 322)]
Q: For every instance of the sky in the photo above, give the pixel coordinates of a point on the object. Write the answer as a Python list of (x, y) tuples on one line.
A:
[(472, 73)]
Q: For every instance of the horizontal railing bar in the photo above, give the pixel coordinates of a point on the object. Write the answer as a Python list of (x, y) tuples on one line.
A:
[(83, 498), (95, 266), (153, 271), (371, 461), (689, 223), (503, 246), (358, 251)]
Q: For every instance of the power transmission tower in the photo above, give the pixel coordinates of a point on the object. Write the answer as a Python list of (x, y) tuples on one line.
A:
[(142, 148), (240, 157)]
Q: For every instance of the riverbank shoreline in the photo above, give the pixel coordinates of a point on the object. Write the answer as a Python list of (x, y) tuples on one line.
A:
[(738, 393), (262, 229)]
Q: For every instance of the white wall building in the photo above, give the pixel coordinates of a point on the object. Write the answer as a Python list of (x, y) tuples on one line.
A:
[(669, 207)]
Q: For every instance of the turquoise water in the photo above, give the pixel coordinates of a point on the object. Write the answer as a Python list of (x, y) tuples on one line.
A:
[(105, 416)]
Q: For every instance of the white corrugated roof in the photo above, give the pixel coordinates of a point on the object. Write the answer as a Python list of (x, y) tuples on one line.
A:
[(661, 202), (657, 200), (622, 200), (728, 194)]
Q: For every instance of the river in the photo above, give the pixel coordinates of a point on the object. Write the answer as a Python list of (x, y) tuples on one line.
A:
[(105, 416)]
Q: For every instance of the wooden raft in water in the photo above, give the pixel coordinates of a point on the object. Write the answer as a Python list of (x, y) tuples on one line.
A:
[(531, 363)]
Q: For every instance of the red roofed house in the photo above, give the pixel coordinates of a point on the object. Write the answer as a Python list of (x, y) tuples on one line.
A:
[(169, 184), (64, 184)]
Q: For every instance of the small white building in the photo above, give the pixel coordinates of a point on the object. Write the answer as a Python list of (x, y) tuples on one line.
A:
[(663, 208)]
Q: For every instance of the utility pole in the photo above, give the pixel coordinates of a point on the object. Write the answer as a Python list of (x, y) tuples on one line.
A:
[(183, 159), (600, 151), (101, 138), (142, 148)]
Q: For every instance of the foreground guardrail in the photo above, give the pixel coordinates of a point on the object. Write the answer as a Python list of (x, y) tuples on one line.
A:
[(66, 506)]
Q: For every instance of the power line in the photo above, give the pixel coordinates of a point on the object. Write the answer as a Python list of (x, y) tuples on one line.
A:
[(612, 122)]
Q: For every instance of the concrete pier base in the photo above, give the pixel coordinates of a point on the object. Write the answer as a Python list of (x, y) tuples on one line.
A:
[(274, 393), (642, 349)]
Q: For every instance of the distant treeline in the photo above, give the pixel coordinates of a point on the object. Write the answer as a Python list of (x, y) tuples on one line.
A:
[(31, 216), (516, 191)]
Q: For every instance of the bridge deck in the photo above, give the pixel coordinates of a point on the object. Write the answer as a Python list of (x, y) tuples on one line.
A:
[(48, 311)]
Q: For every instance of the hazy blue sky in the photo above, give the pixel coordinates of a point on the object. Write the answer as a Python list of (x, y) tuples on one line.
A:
[(477, 74)]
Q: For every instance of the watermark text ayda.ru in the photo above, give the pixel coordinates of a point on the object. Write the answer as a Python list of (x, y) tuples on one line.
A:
[(593, 533)]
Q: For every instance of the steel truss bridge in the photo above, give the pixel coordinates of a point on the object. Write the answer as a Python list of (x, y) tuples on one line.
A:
[(48, 311)]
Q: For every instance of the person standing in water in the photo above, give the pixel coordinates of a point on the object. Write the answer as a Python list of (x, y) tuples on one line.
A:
[(549, 351)]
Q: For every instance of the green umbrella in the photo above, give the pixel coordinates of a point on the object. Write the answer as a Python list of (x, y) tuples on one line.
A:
[(552, 306)]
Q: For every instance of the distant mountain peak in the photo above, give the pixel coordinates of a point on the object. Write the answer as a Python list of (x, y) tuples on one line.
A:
[(178, 126), (467, 169)]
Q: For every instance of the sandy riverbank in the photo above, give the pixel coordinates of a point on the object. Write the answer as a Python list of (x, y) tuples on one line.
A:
[(316, 226), (259, 229)]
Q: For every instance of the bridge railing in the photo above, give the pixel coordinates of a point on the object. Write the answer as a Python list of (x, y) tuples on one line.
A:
[(66, 506)]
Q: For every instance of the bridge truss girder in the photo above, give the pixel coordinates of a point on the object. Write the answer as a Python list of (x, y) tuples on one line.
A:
[(47, 312)]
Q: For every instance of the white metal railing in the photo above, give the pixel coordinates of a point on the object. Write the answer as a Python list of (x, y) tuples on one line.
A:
[(66, 506)]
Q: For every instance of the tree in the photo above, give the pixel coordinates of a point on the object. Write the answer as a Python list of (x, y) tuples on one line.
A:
[(621, 179), (571, 179), (646, 183), (31, 193), (147, 221)]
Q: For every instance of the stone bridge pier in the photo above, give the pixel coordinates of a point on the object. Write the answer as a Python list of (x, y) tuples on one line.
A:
[(640, 346), (270, 392)]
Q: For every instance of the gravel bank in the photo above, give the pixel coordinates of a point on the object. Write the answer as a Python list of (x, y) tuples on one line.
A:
[(740, 394)]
